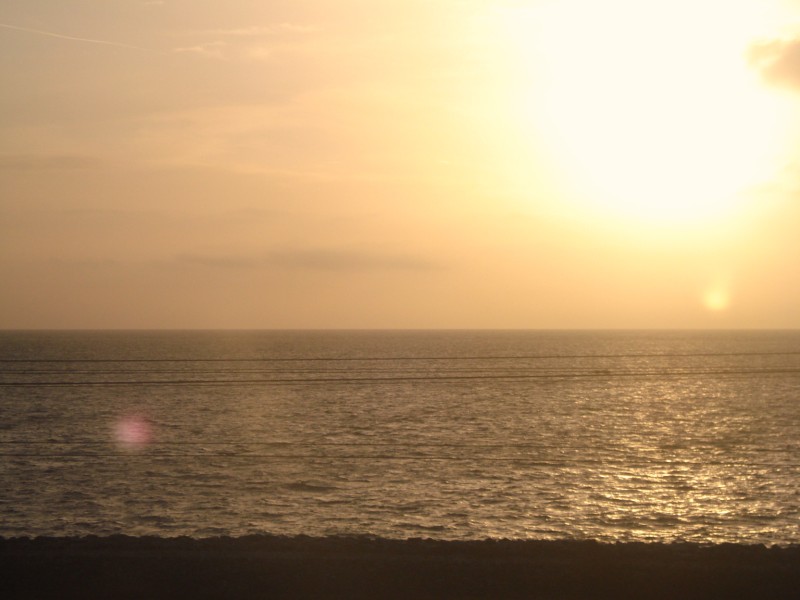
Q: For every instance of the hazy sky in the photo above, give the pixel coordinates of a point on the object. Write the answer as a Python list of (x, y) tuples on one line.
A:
[(399, 163)]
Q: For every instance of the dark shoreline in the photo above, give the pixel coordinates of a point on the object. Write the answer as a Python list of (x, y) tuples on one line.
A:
[(362, 567)]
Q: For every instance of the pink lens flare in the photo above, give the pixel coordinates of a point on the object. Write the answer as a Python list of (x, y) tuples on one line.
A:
[(133, 432)]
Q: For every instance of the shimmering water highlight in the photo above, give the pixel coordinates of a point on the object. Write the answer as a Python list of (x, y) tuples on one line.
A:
[(453, 435)]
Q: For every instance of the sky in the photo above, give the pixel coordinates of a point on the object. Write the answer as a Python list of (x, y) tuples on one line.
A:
[(399, 164)]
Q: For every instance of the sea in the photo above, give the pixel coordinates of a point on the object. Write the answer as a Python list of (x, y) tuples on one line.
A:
[(614, 436)]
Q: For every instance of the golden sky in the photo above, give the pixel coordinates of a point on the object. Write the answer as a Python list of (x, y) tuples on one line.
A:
[(399, 164)]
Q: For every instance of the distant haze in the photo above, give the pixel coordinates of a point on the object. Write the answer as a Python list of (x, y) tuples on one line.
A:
[(399, 164)]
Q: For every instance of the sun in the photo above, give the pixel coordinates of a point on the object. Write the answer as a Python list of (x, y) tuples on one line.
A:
[(649, 110)]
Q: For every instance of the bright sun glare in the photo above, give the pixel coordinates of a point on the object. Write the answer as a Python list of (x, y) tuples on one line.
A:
[(650, 107)]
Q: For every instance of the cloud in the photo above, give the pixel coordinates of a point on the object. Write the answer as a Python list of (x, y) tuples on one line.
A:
[(262, 30), (220, 49), (245, 42), (215, 49), (314, 260), (359, 133), (248, 43), (71, 38), (778, 61), (259, 52), (28, 162)]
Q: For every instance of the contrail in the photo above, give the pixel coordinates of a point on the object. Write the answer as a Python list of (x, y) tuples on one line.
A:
[(69, 37)]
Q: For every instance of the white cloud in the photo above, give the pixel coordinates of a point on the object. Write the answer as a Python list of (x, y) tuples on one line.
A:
[(323, 259), (247, 43), (215, 49), (262, 30), (71, 38), (778, 61), (32, 162)]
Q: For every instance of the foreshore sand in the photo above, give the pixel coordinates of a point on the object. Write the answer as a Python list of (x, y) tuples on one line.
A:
[(361, 567)]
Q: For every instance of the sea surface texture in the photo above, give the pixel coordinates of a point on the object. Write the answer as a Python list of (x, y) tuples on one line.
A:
[(612, 436)]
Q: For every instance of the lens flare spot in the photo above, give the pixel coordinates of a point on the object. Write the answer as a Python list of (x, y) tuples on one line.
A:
[(716, 299), (133, 432)]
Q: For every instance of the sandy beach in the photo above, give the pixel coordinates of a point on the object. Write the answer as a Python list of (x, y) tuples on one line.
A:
[(304, 567)]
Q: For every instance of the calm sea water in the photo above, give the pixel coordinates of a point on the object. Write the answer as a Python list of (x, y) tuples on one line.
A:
[(453, 435)]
